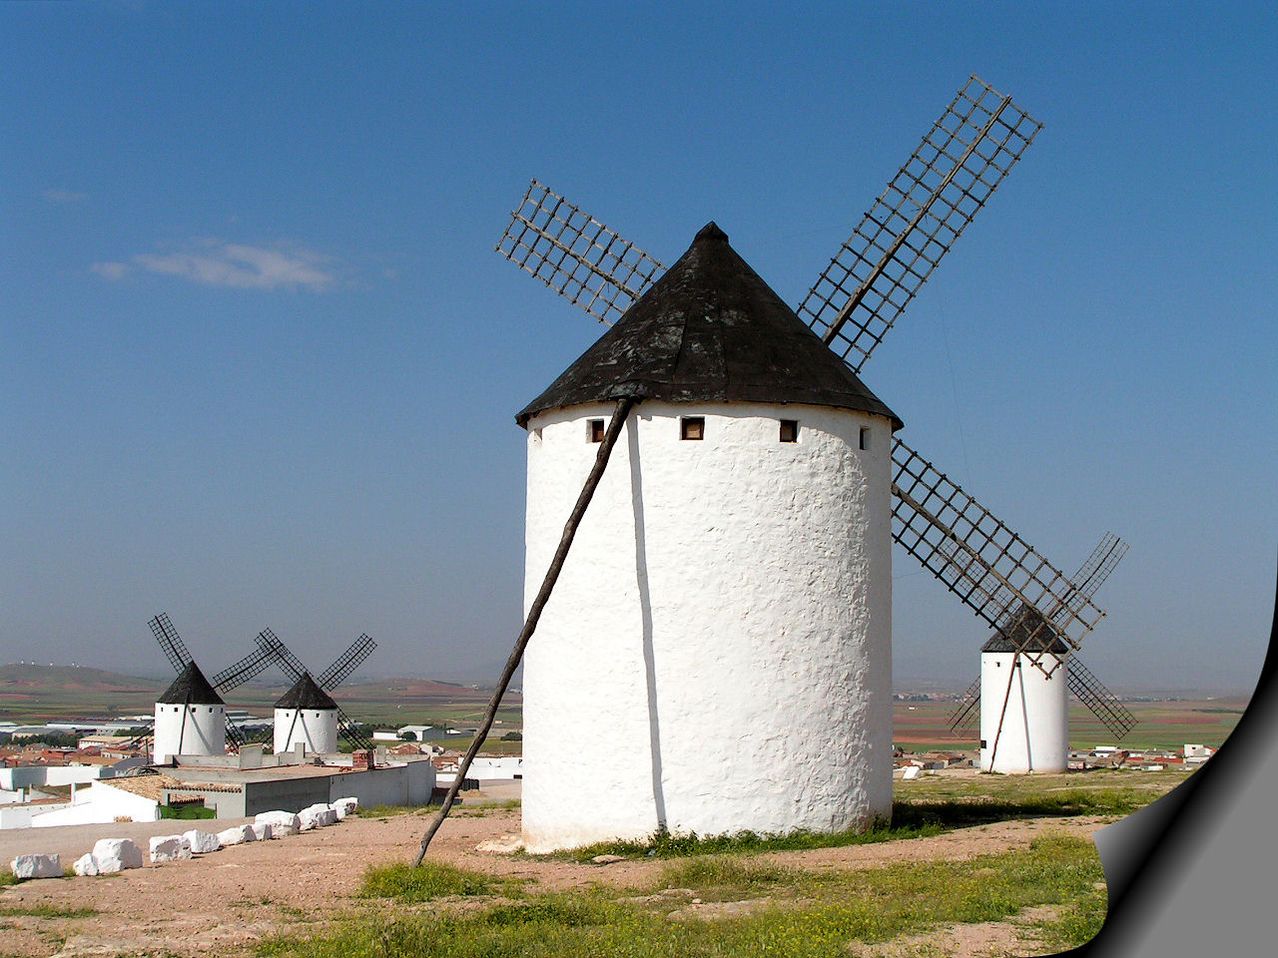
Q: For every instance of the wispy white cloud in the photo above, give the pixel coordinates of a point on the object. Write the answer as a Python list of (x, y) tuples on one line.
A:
[(215, 263), (64, 196), (111, 271)]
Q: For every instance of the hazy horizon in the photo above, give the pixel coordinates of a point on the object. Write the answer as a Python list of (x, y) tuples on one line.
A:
[(261, 361)]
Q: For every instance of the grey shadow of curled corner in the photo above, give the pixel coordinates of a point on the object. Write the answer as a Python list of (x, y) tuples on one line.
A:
[(1148, 854)]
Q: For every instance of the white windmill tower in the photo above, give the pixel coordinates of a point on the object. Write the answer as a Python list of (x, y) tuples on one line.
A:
[(726, 622), (306, 714), (1024, 712), (744, 533), (190, 715)]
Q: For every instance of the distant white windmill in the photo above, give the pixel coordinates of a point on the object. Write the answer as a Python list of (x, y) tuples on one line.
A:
[(1024, 713)]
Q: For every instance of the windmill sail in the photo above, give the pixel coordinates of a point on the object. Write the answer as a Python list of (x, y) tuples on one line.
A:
[(292, 666), (1099, 700), (962, 159), (346, 663), (966, 712), (576, 255), (950, 176), (980, 559), (236, 674), (172, 644), (1086, 687)]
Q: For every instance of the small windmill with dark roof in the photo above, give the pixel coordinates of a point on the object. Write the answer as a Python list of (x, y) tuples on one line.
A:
[(306, 714), (725, 609), (190, 715), (1024, 713)]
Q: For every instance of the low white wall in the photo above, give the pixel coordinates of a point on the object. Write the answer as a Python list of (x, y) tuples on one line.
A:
[(409, 784), (20, 816), (100, 804), (28, 776), (489, 768)]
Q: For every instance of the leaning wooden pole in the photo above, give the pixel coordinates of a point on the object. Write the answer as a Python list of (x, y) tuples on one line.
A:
[(619, 416)]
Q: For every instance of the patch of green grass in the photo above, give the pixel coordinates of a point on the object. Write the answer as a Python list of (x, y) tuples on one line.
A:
[(664, 844), (810, 914), (484, 809), (187, 812), (47, 911), (394, 811), (910, 819), (431, 880), (964, 812), (7, 878), (733, 878), (1078, 923)]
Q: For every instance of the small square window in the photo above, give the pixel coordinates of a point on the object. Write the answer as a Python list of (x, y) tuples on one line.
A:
[(789, 430), (865, 437), (595, 430), (692, 427)]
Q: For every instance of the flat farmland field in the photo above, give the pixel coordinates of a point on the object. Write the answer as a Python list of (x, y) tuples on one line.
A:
[(43, 693), (1162, 724)]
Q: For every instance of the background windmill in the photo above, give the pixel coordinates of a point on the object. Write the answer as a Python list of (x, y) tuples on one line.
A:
[(860, 295), (176, 712), (310, 692), (1040, 720)]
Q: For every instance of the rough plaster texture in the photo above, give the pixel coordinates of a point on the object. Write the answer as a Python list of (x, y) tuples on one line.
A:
[(168, 848), (36, 866), (724, 618), (1035, 736), (314, 728), (188, 730)]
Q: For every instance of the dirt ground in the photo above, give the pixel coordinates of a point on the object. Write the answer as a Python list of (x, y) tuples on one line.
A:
[(221, 904)]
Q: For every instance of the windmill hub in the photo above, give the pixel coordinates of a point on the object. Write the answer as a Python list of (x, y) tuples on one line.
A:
[(716, 656)]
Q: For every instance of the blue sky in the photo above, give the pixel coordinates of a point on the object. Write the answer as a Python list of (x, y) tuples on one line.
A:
[(260, 362)]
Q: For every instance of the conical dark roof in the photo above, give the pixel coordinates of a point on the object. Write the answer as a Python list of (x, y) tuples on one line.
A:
[(1017, 636), (190, 688), (305, 694), (710, 330)]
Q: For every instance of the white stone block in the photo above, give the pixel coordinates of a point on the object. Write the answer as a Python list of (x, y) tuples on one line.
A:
[(236, 835), (262, 831), (169, 848), (317, 816), (115, 855), (36, 866), (345, 806), (202, 842), (282, 823), (85, 865), (910, 772)]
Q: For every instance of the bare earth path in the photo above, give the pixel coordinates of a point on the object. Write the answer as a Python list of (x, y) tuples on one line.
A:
[(221, 904)]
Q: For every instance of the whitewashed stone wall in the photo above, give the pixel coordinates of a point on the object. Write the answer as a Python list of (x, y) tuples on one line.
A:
[(717, 653), (314, 728), (1035, 733), (195, 729)]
